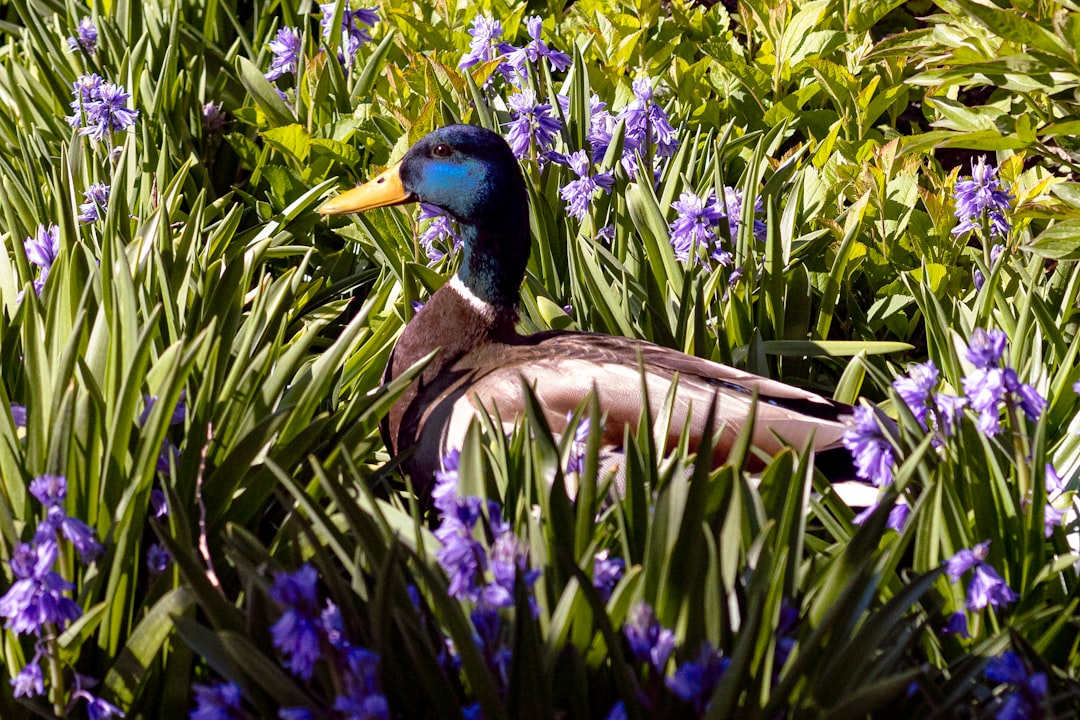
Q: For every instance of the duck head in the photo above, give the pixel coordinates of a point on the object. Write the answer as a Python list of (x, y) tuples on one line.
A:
[(470, 173)]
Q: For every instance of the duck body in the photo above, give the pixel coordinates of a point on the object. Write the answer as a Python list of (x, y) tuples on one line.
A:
[(482, 361)]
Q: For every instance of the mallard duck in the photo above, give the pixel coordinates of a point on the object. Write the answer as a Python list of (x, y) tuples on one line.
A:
[(482, 360)]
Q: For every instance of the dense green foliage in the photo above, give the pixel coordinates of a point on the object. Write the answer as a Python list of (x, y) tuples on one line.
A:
[(210, 281)]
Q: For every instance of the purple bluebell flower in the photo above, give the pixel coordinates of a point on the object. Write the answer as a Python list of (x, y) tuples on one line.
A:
[(649, 641), (695, 224), (695, 680), (49, 490), (488, 625), (1052, 518), (576, 462), (220, 701), (462, 557), (85, 89), (1006, 668), (414, 596), (98, 708), (445, 492), (602, 126), (948, 411), (864, 514), (985, 389), (870, 449), (179, 413), (37, 595), (333, 624), (532, 127), (78, 533), (986, 586), (440, 235), (789, 619), (1031, 402), (489, 638), (372, 707), (286, 48), (957, 625), (101, 108), (1055, 486), (465, 559), (169, 455), (297, 590), (509, 556), (897, 519), (362, 697), (496, 524), (986, 347), (1054, 482), (363, 16), (157, 559), (537, 49), (297, 638), (617, 712), (213, 118), (43, 247), (296, 633), (18, 414), (966, 559), (1028, 689), (646, 122), (96, 203), (354, 24), (85, 38), (578, 193), (982, 196), (995, 253), (607, 571), (294, 713), (988, 384), (485, 44), (159, 506), (29, 682), (363, 668), (732, 210), (916, 389), (448, 500)]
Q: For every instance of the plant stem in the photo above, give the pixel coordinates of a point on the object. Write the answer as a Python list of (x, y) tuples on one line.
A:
[(56, 672), (1023, 474)]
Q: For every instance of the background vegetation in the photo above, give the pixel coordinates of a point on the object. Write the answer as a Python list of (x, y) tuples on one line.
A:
[(199, 358)]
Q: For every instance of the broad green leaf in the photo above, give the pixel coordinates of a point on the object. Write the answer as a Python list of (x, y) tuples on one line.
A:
[(263, 93), (128, 673), (1060, 241), (864, 15), (292, 140)]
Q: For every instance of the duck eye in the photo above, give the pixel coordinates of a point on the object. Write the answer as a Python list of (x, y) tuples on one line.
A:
[(441, 150)]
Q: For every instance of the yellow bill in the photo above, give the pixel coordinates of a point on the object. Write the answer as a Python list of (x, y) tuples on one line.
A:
[(383, 191)]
